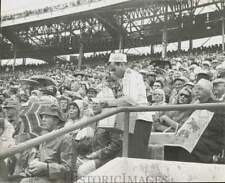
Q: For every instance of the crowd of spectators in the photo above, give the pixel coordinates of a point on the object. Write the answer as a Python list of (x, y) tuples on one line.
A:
[(47, 9), (183, 78)]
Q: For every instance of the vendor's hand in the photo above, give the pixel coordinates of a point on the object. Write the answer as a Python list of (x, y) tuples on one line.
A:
[(36, 167), (125, 101), (93, 155)]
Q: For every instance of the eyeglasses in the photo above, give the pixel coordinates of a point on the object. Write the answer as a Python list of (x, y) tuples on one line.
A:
[(184, 95), (157, 94), (156, 85), (178, 84)]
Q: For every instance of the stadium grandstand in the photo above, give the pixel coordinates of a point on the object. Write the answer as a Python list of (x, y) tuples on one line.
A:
[(112, 91)]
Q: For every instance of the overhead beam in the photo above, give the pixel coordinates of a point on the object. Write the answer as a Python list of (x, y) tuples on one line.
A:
[(111, 25), (12, 37)]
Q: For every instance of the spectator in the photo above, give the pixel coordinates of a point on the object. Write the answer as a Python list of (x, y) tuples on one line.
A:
[(173, 120), (54, 162), (219, 89), (63, 105), (210, 146), (178, 84)]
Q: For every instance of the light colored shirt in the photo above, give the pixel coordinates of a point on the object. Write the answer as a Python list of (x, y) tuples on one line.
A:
[(134, 89), (105, 93)]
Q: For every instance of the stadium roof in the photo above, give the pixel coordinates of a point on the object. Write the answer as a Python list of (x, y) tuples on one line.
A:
[(101, 26)]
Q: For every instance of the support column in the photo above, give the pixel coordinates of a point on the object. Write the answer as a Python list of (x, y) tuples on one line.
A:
[(164, 43), (152, 49), (191, 29), (190, 44), (14, 58), (180, 27), (179, 46), (81, 50), (24, 61), (164, 35), (222, 34), (121, 44), (121, 38), (81, 54)]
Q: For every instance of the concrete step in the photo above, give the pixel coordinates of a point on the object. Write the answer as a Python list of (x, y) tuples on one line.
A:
[(142, 170)]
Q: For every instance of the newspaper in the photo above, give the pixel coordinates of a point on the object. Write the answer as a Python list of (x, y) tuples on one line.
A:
[(189, 134)]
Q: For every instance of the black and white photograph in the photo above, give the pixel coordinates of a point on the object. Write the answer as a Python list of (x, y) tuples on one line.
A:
[(112, 91)]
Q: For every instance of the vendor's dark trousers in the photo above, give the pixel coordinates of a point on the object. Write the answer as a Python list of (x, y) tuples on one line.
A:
[(138, 141)]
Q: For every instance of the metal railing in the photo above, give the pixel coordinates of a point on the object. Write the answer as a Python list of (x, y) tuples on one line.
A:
[(82, 123)]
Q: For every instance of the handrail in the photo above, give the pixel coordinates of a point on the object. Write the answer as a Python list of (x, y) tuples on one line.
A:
[(84, 122)]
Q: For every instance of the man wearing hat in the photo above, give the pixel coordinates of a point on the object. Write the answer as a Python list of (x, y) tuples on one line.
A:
[(206, 65), (151, 78), (215, 63), (204, 74), (92, 107), (219, 89), (221, 70), (17, 163), (11, 109), (53, 112), (54, 163), (7, 141), (91, 93), (178, 84), (63, 104), (134, 94)]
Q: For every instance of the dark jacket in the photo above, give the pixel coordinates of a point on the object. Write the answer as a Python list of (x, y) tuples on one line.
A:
[(107, 145), (212, 141)]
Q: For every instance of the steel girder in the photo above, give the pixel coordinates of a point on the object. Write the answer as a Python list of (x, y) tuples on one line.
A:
[(45, 33), (140, 24), (5, 47)]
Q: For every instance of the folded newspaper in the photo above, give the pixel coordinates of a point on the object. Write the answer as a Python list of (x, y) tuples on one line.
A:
[(189, 134)]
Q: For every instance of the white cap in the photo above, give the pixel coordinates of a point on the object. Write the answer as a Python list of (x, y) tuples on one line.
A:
[(118, 57)]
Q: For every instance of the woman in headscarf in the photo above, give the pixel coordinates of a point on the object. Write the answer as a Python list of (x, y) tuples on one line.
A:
[(82, 138), (158, 98), (75, 112)]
